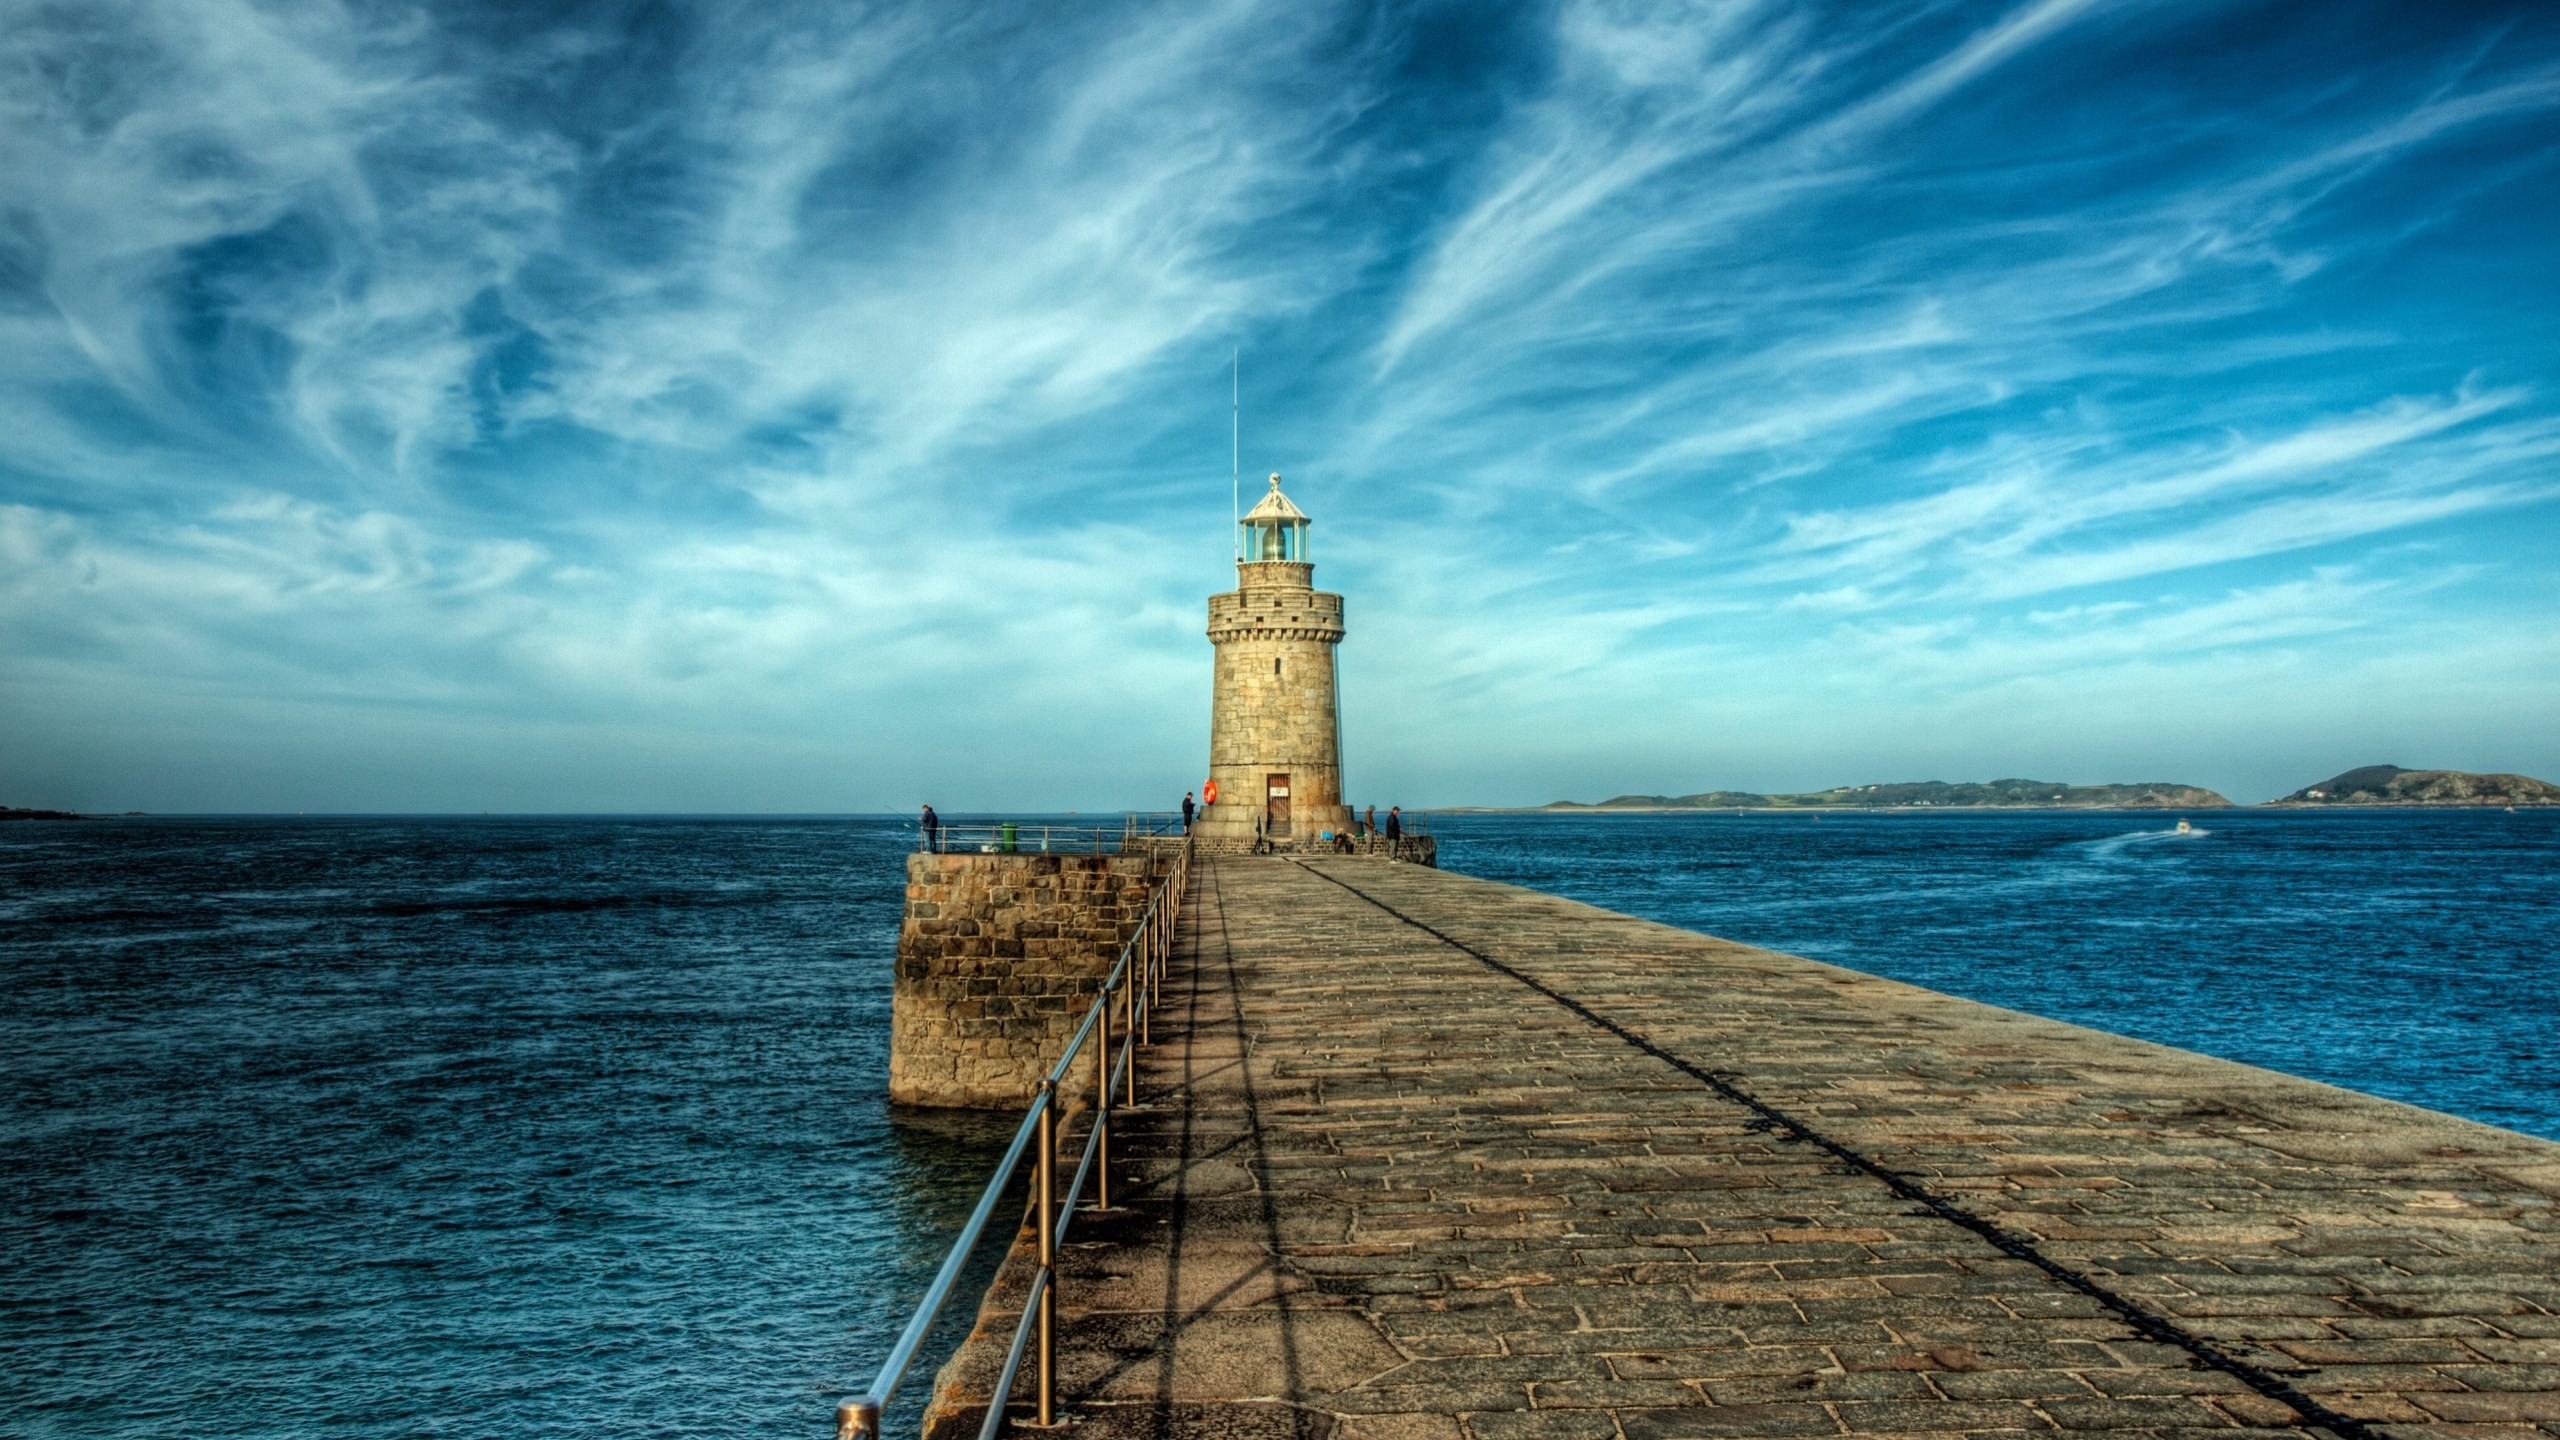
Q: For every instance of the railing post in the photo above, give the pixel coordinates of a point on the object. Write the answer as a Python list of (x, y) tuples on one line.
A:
[(1129, 1026), (1141, 968), (1045, 1183), (1102, 1106)]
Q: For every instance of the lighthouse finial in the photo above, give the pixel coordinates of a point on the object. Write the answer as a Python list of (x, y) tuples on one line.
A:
[(1275, 480)]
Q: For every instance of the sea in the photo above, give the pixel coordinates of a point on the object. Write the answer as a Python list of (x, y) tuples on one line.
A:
[(577, 1126)]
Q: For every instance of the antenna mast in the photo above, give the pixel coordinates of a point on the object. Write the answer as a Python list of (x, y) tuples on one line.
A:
[(1235, 473)]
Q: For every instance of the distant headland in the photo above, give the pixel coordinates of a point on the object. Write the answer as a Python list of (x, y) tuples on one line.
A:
[(2391, 785), (1936, 795), (8, 814), (2369, 785)]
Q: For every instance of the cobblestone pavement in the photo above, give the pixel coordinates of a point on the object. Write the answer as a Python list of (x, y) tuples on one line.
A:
[(1387, 1191)]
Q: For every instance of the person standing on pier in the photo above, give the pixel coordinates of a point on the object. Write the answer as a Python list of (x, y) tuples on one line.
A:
[(1187, 808), (931, 825), (1395, 832)]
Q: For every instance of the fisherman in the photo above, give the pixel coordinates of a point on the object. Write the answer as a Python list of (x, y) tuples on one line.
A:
[(1395, 832), (1187, 808), (931, 825)]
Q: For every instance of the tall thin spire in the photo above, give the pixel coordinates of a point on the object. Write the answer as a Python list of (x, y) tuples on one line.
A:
[(1235, 475)]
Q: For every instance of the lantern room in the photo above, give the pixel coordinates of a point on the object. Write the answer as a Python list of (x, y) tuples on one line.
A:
[(1274, 529)]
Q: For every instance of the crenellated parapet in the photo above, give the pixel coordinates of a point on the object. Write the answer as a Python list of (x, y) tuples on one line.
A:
[(1276, 613)]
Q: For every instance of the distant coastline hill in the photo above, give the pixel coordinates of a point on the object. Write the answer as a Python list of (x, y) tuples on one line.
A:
[(8, 814), (1934, 794), (2391, 785)]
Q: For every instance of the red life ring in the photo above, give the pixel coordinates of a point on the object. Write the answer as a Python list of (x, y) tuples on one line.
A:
[(1209, 793)]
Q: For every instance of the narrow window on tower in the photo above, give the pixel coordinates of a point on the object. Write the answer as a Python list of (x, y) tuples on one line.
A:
[(1275, 665)]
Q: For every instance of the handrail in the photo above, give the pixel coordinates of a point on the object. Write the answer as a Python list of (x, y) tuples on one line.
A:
[(988, 1427), (1012, 837), (1133, 982)]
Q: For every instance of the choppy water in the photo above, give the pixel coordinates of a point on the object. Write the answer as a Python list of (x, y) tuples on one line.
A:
[(575, 1127), (498, 1128), (2412, 954)]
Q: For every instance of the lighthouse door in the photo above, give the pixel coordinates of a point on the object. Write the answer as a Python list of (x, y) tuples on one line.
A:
[(1276, 804)]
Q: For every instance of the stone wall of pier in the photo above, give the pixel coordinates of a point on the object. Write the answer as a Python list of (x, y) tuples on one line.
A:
[(999, 957)]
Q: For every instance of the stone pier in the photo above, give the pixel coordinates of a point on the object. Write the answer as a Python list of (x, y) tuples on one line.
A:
[(999, 957), (1430, 1158)]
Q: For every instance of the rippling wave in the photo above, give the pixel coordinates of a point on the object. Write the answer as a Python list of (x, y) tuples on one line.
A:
[(457, 1127), (2406, 953), (576, 1127)]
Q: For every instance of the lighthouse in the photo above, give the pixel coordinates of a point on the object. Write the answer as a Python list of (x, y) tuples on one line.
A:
[(1275, 719)]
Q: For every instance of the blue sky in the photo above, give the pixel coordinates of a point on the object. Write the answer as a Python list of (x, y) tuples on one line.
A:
[(825, 407)]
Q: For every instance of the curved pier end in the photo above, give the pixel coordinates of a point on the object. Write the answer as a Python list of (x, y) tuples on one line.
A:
[(1431, 1158)]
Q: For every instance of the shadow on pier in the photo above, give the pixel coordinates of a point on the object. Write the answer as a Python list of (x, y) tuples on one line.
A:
[(1423, 1157)]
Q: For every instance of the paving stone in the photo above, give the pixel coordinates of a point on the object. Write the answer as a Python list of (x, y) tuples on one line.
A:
[(1821, 1385), (2009, 1384), (2156, 1381), (2503, 1405), (1380, 1190), (2504, 1377), (1406, 1426), (1969, 1416), (1612, 1394), (1542, 1425), (1722, 1421), (2119, 1413)]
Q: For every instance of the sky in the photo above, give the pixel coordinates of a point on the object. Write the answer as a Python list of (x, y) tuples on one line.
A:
[(823, 407)]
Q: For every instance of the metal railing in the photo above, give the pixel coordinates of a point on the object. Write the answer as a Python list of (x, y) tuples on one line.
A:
[(1009, 837), (1131, 988)]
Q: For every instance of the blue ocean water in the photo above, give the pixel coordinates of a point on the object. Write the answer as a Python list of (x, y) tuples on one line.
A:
[(576, 1127), (2413, 954), (457, 1127)]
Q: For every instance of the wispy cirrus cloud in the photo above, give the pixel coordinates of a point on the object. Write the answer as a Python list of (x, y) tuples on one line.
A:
[(2333, 479)]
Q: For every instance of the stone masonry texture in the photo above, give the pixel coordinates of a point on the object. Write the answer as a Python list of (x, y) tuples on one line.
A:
[(1272, 701), (999, 957), (1379, 1190)]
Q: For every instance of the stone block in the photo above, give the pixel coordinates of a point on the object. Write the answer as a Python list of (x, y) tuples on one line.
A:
[(998, 957)]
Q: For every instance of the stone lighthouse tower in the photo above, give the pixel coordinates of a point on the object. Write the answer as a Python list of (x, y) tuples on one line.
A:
[(1275, 724)]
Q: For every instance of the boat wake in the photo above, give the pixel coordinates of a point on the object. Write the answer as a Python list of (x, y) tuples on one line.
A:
[(2115, 845)]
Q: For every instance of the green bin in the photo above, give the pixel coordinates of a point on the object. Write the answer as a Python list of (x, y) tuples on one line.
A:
[(1007, 841)]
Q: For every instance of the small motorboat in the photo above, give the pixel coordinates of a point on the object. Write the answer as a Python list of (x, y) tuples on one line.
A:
[(2185, 829)]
